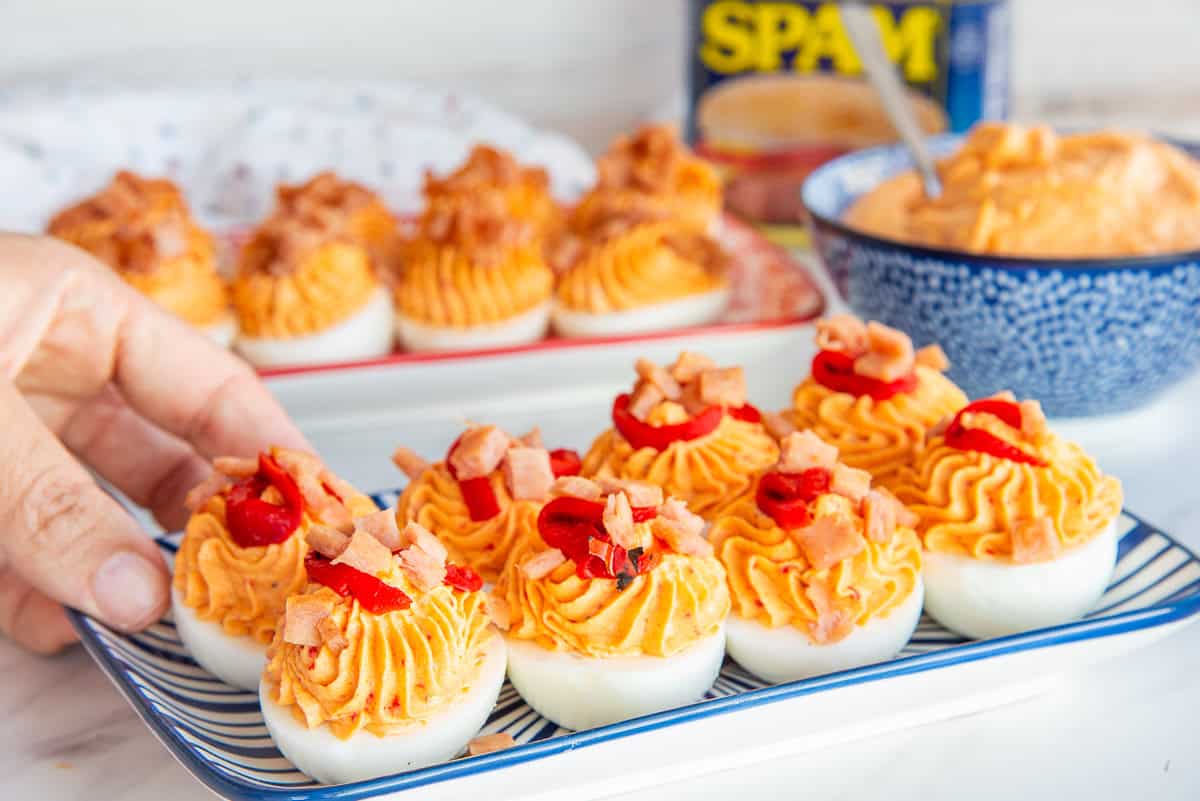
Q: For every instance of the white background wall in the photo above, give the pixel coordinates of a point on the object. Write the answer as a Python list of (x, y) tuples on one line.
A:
[(589, 68)]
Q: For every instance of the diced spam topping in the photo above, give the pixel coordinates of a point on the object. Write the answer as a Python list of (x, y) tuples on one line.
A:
[(777, 425), (424, 569), (327, 541), (828, 540), (309, 473), (235, 467), (302, 618), (804, 449), (933, 357), (332, 636), (843, 333), (618, 520), (1033, 419), (641, 493), (542, 564), (499, 611), (527, 473), (889, 356), (576, 487), (643, 400), (659, 378), (409, 462), (850, 482), (479, 452), (365, 553), (199, 495), (532, 438), (689, 366), (833, 622), (382, 526), (1034, 540), (487, 743), (723, 387)]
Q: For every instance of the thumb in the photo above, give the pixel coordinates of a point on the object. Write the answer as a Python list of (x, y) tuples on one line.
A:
[(64, 535)]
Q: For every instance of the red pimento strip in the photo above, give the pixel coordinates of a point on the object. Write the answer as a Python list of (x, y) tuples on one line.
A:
[(835, 370), (576, 527), (477, 493), (565, 462), (254, 522), (643, 435), (461, 577), (975, 439), (372, 594), (784, 497), (746, 413)]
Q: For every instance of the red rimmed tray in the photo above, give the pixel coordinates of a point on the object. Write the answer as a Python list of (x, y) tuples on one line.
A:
[(771, 289)]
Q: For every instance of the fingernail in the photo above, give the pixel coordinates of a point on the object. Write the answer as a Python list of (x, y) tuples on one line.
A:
[(129, 590)]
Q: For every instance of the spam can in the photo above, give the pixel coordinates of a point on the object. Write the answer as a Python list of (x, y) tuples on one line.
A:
[(775, 89)]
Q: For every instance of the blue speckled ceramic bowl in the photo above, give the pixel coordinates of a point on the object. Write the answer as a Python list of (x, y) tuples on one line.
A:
[(1086, 336)]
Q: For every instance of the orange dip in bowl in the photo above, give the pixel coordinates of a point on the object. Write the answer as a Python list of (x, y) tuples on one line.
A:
[(1012, 190)]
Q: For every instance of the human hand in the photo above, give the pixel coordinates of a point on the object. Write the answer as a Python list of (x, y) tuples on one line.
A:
[(93, 375)]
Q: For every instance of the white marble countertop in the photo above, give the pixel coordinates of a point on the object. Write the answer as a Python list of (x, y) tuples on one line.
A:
[(1118, 730)]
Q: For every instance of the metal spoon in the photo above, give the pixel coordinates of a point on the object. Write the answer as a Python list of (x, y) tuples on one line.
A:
[(864, 35)]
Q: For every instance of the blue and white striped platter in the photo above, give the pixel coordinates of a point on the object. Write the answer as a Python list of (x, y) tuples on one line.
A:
[(218, 734)]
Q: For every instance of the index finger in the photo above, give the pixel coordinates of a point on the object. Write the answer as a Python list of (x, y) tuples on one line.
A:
[(180, 380)]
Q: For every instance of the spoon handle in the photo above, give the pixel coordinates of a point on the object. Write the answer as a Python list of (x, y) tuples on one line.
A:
[(864, 35)]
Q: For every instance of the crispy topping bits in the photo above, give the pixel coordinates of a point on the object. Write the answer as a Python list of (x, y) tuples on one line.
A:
[(777, 425), (479, 452), (682, 530), (828, 540), (487, 743), (804, 449), (528, 473), (486, 167), (1034, 540), (417, 536), (409, 462), (542, 564), (423, 569), (310, 476), (641, 493), (576, 487), (833, 623), (648, 161), (302, 619), (479, 223), (879, 516), (618, 520), (149, 219), (365, 553), (324, 200), (933, 357)]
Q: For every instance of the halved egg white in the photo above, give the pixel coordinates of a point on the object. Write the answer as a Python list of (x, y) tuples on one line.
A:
[(698, 309), (980, 598), (526, 327), (366, 334), (580, 692), (222, 332), (787, 654), (331, 760), (237, 661)]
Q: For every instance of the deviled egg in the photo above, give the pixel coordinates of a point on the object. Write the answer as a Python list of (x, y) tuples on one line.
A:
[(484, 494), (1018, 524), (143, 229), (473, 277), (243, 553), (307, 287), (872, 395), (824, 571), (687, 428), (634, 274), (387, 661), (613, 606)]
